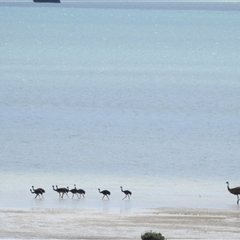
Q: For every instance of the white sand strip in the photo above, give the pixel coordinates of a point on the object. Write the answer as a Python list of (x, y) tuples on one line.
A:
[(88, 224)]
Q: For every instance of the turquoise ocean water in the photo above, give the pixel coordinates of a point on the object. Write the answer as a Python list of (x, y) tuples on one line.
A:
[(102, 97)]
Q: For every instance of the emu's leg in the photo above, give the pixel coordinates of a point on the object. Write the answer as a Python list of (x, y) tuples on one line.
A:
[(238, 199), (37, 194)]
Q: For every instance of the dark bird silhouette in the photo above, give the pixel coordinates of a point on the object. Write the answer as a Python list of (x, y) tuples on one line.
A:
[(105, 193), (74, 191), (61, 191), (37, 192), (81, 192), (57, 190), (64, 191), (234, 191), (127, 193), (38, 189)]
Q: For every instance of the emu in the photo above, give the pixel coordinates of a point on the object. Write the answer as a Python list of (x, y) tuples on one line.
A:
[(234, 191), (61, 190), (64, 191), (37, 192), (38, 189), (105, 193), (127, 193), (57, 190), (74, 191), (81, 192)]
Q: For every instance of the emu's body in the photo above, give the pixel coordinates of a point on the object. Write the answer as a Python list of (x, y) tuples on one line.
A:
[(61, 190), (234, 191), (74, 191), (37, 192), (38, 189), (127, 193), (81, 192), (64, 191), (105, 193)]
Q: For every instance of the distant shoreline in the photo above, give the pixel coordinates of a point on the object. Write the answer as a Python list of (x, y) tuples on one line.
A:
[(206, 6)]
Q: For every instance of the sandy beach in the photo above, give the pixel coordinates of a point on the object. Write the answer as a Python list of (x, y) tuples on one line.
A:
[(90, 224)]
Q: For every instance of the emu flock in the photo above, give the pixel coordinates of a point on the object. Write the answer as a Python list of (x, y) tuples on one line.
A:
[(78, 192)]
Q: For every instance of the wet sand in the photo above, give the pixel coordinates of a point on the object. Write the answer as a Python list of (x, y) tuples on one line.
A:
[(90, 224)]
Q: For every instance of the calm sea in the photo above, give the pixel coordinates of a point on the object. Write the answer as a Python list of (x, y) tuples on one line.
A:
[(108, 97)]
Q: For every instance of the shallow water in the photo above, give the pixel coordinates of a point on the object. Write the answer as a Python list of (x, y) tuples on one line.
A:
[(146, 99)]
